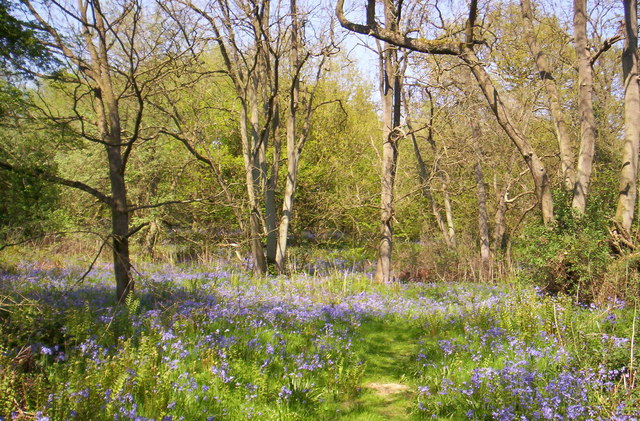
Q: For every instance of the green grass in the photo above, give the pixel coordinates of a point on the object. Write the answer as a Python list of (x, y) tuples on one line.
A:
[(388, 349)]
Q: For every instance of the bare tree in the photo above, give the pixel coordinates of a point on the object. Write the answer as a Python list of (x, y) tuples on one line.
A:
[(266, 57), (251, 56)]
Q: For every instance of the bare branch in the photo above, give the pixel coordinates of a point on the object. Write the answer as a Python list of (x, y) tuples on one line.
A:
[(606, 45), (168, 202), (372, 28)]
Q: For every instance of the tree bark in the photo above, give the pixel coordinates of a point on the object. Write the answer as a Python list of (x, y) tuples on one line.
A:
[(559, 123), (585, 106), (629, 171)]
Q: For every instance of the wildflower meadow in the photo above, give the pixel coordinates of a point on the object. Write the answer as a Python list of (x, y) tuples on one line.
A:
[(213, 344)]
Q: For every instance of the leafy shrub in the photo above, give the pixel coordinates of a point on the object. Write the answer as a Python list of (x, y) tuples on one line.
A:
[(569, 257)]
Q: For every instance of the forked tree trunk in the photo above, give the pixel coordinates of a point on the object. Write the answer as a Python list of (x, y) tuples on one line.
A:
[(629, 171), (585, 106)]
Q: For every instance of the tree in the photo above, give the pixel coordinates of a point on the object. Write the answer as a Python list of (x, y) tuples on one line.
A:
[(464, 49), (254, 54), (559, 122), (585, 106), (112, 62), (391, 73), (446, 227), (299, 55)]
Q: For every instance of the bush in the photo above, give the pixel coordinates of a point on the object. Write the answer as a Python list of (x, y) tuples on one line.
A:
[(570, 257)]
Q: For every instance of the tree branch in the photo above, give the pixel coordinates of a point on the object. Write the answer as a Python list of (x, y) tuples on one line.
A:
[(157, 205), (372, 28), (606, 45), (41, 174)]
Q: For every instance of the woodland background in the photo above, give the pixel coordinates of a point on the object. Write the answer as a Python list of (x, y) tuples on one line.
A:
[(477, 141)]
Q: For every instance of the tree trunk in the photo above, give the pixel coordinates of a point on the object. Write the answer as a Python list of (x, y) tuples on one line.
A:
[(119, 211), (267, 183), (536, 166), (120, 231), (293, 152), (483, 219), (559, 122), (585, 105), (108, 119), (448, 211), (629, 172), (257, 253), (389, 162), (287, 210), (391, 93), (270, 193), (500, 220)]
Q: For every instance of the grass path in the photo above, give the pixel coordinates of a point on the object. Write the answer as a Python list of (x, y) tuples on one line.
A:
[(388, 349)]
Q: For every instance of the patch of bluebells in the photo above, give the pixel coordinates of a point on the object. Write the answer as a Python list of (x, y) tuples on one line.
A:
[(212, 345), (160, 366), (504, 372)]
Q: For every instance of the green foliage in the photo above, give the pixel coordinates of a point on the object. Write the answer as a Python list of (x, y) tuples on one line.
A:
[(29, 206), (20, 43), (570, 257)]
